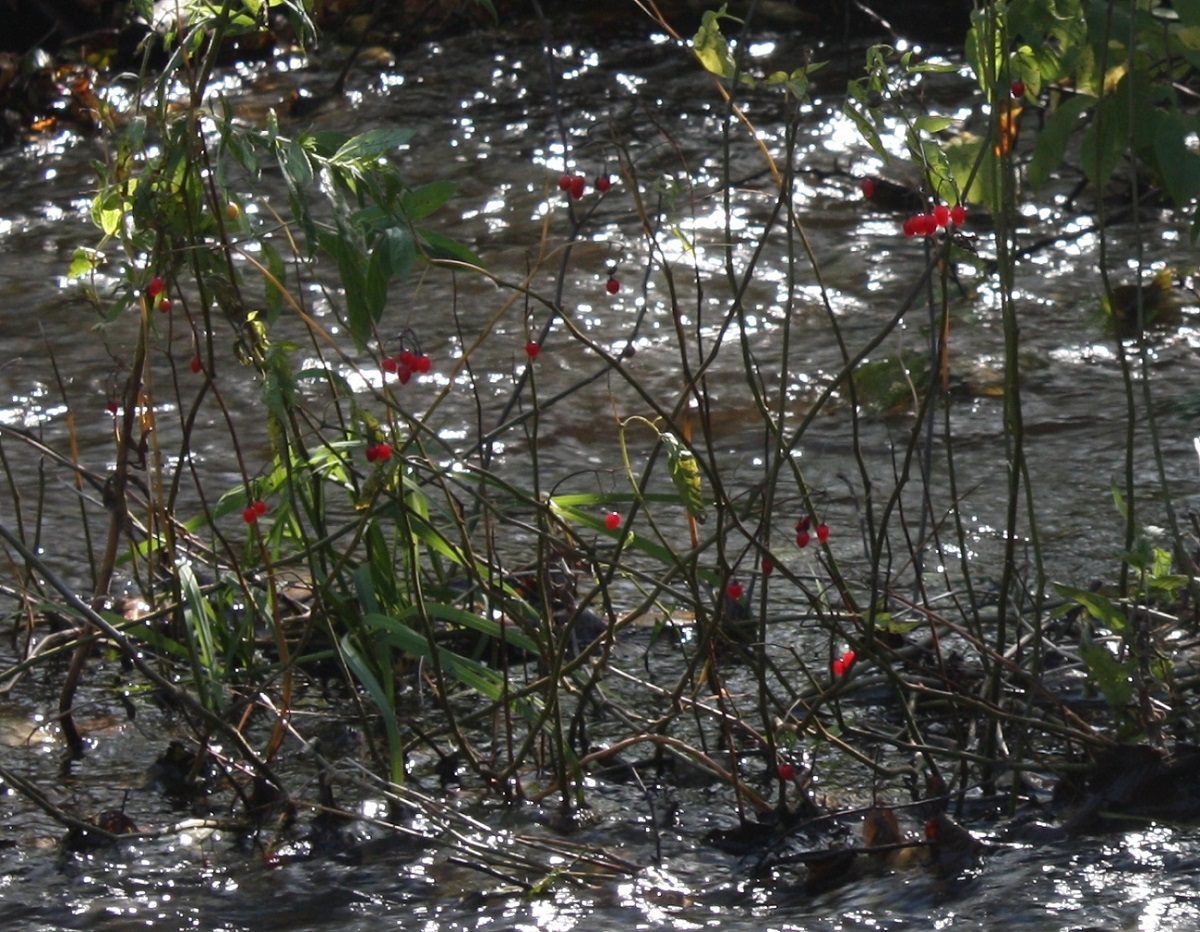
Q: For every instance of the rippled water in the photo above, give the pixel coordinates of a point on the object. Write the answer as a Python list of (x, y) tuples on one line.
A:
[(482, 116)]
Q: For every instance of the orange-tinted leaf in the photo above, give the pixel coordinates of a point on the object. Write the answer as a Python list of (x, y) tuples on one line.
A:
[(880, 827), (1009, 127)]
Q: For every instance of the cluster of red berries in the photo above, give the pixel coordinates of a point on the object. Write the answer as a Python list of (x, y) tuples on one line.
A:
[(405, 364), (575, 185), (378, 452), (841, 665), (254, 511), (803, 536), (941, 216), (156, 288)]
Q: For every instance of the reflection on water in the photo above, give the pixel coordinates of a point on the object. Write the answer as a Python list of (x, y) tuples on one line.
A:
[(483, 117)]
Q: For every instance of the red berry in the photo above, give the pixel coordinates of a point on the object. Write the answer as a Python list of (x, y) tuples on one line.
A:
[(371, 454), (958, 215), (405, 358), (156, 286), (422, 363), (926, 225), (577, 186), (803, 523), (768, 566), (734, 591), (603, 184), (802, 539), (260, 507), (822, 533), (868, 187), (112, 407), (249, 515), (612, 521), (564, 182), (404, 373), (786, 772), (383, 452), (612, 286), (164, 305), (196, 365), (842, 665), (941, 215), (1018, 88), (532, 348), (389, 364), (910, 227)]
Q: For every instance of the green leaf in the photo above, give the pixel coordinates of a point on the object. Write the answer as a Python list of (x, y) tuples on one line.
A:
[(1107, 138), (107, 210), (372, 144), (1113, 678), (83, 261), (382, 699), (1054, 137), (273, 295), (437, 246), (296, 165), (1098, 606), (710, 47), (423, 201), (685, 473), (932, 124), (1178, 165)]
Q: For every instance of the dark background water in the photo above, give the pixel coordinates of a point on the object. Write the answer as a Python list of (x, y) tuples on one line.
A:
[(482, 115)]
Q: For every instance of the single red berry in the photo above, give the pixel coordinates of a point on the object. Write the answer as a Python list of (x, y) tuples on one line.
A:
[(406, 358), (156, 287), (842, 665), (383, 452), (577, 186), (112, 407), (603, 184), (564, 182), (260, 507), (768, 566), (371, 454), (803, 524), (196, 365), (389, 364), (802, 539), (404, 373), (931, 830), (164, 305), (532, 348), (734, 591), (822, 533), (786, 772), (249, 515), (422, 363), (612, 286), (867, 185), (958, 215), (612, 521), (1018, 88), (910, 227), (927, 225), (941, 215)]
